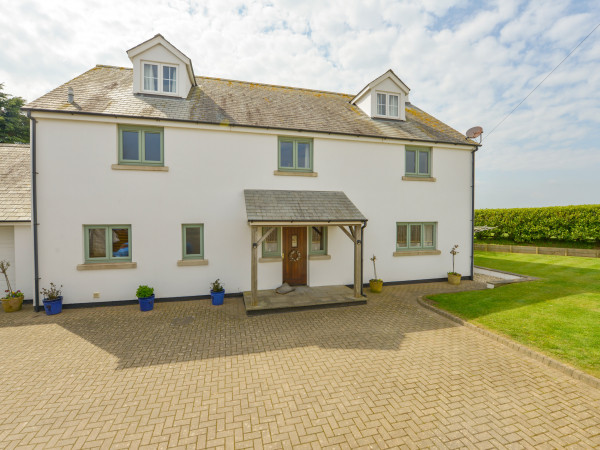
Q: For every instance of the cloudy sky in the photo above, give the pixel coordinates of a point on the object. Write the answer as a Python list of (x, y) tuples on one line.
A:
[(467, 63)]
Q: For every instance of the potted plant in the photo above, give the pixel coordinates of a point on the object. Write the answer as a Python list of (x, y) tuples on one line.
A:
[(13, 301), (375, 284), (52, 299), (454, 277), (145, 295), (217, 292)]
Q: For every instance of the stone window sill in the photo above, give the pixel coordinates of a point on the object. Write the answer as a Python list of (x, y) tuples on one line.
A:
[(268, 260), (418, 253), (107, 266), (418, 179), (192, 262), (140, 167), (319, 257), (295, 174)]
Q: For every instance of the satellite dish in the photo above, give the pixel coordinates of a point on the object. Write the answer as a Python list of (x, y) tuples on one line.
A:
[(474, 132)]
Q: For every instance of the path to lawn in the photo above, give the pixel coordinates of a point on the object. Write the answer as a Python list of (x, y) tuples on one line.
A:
[(558, 315)]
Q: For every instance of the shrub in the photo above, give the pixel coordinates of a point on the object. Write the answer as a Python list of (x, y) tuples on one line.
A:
[(579, 223), (144, 291), (51, 293)]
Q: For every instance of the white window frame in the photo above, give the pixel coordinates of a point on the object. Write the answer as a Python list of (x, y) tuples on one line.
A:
[(160, 78), (388, 95)]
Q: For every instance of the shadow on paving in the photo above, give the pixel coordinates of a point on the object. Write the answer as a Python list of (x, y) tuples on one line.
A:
[(181, 331)]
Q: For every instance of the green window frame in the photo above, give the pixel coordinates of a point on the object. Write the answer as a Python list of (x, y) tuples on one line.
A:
[(295, 142), (416, 236), (271, 253), (187, 248), (142, 134), (417, 154), (323, 250), (113, 237)]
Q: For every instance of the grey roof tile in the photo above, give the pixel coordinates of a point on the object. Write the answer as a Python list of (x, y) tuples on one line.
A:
[(15, 182), (108, 90), (317, 206)]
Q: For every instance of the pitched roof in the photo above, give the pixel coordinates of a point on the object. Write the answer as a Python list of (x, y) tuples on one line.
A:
[(15, 183), (108, 90), (300, 206)]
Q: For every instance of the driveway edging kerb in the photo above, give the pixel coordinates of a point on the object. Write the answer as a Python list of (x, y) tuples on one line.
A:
[(546, 360)]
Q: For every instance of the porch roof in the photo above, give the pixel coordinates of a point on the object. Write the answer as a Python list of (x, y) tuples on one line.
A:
[(268, 206)]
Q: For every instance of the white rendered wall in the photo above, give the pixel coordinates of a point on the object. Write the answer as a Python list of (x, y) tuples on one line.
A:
[(208, 172), (7, 253), (24, 259)]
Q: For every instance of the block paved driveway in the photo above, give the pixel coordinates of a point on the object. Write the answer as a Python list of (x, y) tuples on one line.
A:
[(386, 374)]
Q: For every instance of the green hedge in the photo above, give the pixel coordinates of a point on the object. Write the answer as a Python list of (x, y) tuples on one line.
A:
[(564, 223)]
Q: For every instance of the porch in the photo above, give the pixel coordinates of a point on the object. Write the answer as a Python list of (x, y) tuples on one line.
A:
[(301, 297)]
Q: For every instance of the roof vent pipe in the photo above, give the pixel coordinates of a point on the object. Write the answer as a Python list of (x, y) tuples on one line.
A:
[(71, 95)]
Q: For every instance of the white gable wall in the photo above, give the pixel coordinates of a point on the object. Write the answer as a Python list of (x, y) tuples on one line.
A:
[(208, 172), (159, 54)]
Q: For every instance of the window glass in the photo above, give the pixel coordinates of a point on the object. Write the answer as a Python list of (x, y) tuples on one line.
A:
[(317, 242), (120, 242), (381, 100), (169, 79), (393, 105), (428, 235), (152, 146), (150, 77), (303, 155), (423, 163), (131, 145), (402, 236), (411, 161), (286, 154), (193, 240), (97, 242), (271, 245), (415, 235)]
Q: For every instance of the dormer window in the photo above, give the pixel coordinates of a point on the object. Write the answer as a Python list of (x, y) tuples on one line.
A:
[(387, 105), (156, 75)]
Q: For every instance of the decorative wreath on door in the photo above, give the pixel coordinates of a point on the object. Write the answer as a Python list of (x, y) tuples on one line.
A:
[(295, 255)]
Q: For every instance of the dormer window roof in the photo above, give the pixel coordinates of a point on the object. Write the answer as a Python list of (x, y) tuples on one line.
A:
[(160, 68), (384, 97)]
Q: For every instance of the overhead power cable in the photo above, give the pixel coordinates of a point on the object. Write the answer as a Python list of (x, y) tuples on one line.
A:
[(540, 83)]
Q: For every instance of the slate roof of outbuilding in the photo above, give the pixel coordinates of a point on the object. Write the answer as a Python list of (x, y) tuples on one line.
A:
[(300, 206), (15, 183), (108, 90)]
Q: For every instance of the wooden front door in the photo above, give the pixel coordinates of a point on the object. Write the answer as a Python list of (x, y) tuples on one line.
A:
[(293, 242)]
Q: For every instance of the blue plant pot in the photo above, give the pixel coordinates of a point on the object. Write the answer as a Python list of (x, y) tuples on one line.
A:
[(147, 303), (217, 297), (53, 306)]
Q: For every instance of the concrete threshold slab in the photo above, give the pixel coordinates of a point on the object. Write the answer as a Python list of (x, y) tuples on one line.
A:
[(303, 297), (504, 277)]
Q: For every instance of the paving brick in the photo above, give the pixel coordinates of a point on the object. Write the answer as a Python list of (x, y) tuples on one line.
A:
[(386, 374)]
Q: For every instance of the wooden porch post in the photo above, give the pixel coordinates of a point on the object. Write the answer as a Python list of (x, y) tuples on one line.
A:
[(255, 235), (357, 262)]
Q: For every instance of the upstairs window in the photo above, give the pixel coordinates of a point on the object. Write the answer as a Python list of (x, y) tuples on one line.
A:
[(295, 155), (160, 78), (388, 105), (418, 162), (141, 146)]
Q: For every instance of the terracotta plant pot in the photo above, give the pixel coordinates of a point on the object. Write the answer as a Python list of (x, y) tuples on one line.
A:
[(454, 278), (12, 304), (376, 286)]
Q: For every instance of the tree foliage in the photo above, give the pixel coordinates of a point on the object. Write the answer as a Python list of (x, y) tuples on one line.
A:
[(579, 223), (14, 126)]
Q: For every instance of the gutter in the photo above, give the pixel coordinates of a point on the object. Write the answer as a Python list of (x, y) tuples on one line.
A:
[(34, 215), (473, 211)]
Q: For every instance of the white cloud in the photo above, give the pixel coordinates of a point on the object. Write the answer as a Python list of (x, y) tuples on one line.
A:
[(467, 63)]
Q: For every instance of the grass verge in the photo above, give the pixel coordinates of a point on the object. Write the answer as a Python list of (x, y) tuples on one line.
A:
[(558, 315)]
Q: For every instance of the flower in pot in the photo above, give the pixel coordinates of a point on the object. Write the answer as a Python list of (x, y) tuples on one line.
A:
[(52, 299), (13, 301), (217, 292), (375, 284), (145, 295), (454, 277)]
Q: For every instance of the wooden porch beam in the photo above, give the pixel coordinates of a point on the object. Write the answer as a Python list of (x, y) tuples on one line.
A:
[(266, 235), (255, 235), (357, 261), (350, 235)]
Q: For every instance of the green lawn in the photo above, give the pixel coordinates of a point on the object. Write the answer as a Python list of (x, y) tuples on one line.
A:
[(558, 315)]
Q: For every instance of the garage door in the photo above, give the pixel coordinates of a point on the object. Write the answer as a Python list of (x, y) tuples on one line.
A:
[(7, 251)]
